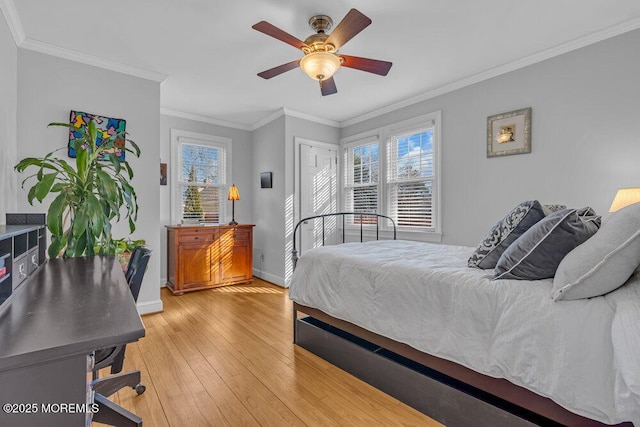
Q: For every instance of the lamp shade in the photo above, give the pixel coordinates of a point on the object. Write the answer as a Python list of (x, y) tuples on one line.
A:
[(625, 197), (320, 65), (234, 194)]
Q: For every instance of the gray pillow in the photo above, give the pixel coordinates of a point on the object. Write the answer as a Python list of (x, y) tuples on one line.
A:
[(507, 230), (549, 209), (537, 253), (604, 262)]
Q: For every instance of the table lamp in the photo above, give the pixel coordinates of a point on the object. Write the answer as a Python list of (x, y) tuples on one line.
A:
[(625, 197), (233, 196)]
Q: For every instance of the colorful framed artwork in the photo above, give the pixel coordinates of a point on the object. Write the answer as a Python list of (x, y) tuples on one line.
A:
[(509, 133), (106, 127)]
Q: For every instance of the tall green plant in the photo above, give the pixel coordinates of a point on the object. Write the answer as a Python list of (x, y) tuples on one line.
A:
[(89, 196)]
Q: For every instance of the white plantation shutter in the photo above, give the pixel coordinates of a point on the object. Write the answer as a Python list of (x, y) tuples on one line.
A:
[(201, 184), (361, 176), (395, 170), (410, 178)]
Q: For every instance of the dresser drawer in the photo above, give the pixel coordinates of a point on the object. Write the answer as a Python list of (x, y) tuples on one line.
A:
[(196, 237), (236, 234)]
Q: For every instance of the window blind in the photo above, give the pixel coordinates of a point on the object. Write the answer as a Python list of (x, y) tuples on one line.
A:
[(201, 182), (410, 176), (362, 169)]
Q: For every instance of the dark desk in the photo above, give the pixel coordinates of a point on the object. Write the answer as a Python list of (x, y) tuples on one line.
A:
[(58, 317)]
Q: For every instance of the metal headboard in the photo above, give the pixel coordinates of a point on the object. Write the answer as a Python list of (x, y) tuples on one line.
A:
[(294, 252)]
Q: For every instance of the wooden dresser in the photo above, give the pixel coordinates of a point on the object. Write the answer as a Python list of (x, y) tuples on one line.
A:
[(206, 256)]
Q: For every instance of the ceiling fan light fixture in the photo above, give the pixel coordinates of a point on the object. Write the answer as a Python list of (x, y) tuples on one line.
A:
[(320, 65)]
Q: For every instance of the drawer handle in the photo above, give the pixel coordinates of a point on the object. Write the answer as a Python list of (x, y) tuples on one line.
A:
[(21, 268)]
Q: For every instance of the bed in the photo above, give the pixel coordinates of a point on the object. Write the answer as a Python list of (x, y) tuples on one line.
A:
[(569, 362)]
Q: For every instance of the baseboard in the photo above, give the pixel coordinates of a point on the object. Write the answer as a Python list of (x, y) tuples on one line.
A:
[(150, 307), (269, 277)]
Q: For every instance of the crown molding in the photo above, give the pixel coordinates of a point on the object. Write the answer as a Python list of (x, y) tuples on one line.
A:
[(10, 13), (84, 58), (284, 111), (204, 119), (268, 118), (311, 118), (578, 43)]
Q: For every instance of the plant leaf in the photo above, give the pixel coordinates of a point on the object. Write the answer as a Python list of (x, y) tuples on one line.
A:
[(25, 163), (54, 247), (96, 214), (92, 133), (58, 187), (54, 214), (43, 187), (31, 195), (136, 149), (82, 156), (80, 223)]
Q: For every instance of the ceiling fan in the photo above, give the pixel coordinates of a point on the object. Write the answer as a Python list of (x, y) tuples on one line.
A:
[(321, 59)]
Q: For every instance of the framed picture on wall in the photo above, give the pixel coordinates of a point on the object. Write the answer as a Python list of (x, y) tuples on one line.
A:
[(163, 174), (105, 126), (509, 133), (265, 179)]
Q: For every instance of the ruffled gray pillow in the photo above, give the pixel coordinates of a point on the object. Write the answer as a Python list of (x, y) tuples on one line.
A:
[(505, 232), (538, 252)]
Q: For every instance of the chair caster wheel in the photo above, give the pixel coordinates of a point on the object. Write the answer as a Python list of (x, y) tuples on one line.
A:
[(140, 388)]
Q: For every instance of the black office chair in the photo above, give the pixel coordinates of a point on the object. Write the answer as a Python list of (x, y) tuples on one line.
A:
[(109, 412)]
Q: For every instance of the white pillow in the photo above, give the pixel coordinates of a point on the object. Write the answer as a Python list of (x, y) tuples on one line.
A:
[(604, 262)]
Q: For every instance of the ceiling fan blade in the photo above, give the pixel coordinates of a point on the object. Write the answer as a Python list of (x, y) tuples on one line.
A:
[(328, 87), (365, 64), (350, 25), (275, 32), (276, 71)]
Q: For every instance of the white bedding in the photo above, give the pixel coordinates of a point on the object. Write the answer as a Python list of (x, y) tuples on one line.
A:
[(583, 354)]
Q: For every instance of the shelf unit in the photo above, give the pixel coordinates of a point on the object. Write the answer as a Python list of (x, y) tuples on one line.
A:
[(4, 271), (22, 250)]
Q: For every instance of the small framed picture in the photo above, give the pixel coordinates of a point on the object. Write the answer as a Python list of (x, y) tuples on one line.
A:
[(265, 179), (163, 174), (509, 133)]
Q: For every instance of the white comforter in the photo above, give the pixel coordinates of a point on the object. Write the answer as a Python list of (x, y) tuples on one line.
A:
[(583, 354)]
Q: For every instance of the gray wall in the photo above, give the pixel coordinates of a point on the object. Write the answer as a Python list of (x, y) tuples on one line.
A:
[(273, 212), (48, 88), (8, 119), (269, 204), (241, 170), (585, 136)]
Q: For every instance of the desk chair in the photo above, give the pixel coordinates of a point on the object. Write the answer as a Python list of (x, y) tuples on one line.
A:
[(109, 412)]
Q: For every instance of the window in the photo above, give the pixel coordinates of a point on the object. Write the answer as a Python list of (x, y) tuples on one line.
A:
[(396, 173), (200, 179), (361, 179), (410, 178)]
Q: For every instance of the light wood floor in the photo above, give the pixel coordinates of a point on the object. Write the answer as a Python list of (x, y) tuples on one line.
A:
[(224, 357)]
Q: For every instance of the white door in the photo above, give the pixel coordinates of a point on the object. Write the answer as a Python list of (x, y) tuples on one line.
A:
[(317, 194)]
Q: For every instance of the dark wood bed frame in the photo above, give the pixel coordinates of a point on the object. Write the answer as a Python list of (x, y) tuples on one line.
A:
[(446, 391)]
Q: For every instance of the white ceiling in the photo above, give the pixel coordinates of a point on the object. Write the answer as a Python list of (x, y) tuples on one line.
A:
[(210, 54)]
